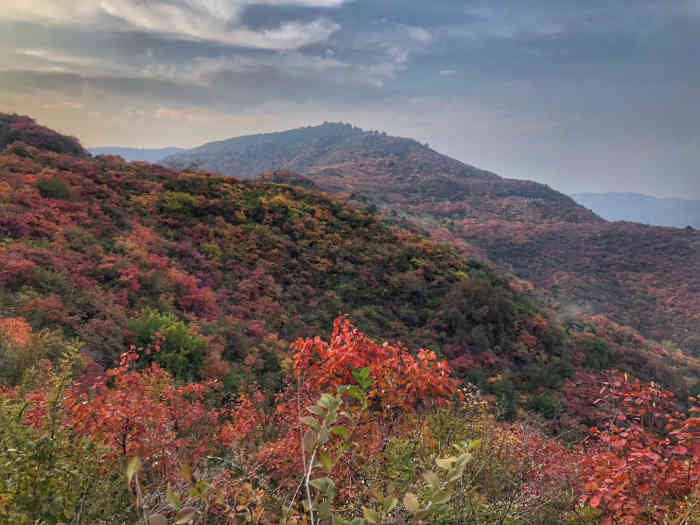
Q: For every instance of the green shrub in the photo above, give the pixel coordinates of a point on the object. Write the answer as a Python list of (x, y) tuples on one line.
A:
[(55, 188), (16, 360), (49, 474), (179, 203), (551, 375), (182, 350), (546, 405), (599, 356)]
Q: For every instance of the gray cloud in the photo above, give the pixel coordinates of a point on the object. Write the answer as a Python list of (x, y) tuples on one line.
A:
[(583, 96)]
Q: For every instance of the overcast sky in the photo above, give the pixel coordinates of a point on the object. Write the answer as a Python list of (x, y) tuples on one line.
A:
[(583, 95)]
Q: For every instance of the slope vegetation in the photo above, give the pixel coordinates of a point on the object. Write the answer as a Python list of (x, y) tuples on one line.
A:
[(645, 277), (111, 253)]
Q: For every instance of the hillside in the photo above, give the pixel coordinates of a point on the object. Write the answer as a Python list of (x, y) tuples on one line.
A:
[(173, 349), (25, 129), (137, 154), (634, 207), (89, 244), (644, 277)]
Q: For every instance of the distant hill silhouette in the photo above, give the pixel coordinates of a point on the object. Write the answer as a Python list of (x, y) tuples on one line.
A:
[(635, 207), (20, 128)]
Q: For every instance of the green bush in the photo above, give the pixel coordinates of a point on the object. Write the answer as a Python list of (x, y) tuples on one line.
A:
[(182, 350), (16, 360), (179, 203), (55, 188), (551, 375), (599, 356), (546, 405), (49, 474)]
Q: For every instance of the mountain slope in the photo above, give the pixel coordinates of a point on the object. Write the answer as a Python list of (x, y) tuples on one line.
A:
[(112, 253), (16, 128), (137, 154), (634, 207), (386, 170), (643, 277), (88, 246)]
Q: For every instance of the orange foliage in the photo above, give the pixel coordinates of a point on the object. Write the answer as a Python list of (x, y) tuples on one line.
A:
[(401, 384), (16, 330)]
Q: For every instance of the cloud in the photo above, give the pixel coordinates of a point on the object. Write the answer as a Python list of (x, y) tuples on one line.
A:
[(419, 34), (205, 20), (447, 72)]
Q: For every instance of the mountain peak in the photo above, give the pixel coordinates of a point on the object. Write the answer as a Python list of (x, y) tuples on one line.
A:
[(21, 128)]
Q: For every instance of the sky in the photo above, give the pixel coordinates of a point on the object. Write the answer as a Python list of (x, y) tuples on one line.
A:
[(601, 95)]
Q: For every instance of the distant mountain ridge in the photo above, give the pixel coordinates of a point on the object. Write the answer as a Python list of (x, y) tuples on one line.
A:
[(369, 166), (645, 209), (642, 276), (152, 155), (304, 148)]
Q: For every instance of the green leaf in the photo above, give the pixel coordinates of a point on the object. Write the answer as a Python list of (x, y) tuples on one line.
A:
[(323, 436), (317, 410), (326, 401), (441, 497), (132, 468), (370, 515), (172, 498), (356, 393), (343, 389), (473, 444), (310, 421), (431, 478), (389, 504), (410, 501), (340, 431), (445, 463), (363, 377), (325, 459), (332, 416), (324, 509), (325, 485)]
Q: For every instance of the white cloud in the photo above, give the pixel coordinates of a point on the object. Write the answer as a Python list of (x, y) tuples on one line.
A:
[(419, 34), (447, 72), (207, 20)]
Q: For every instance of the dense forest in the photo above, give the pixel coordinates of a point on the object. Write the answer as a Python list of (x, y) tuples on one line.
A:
[(187, 347), (644, 277)]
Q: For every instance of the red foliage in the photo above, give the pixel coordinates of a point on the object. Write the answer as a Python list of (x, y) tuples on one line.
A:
[(14, 270), (143, 413), (402, 384), (646, 459)]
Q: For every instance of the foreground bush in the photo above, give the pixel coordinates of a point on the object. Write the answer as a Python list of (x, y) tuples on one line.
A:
[(49, 473), (363, 433)]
